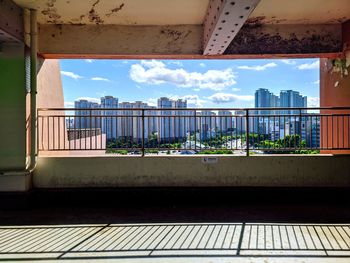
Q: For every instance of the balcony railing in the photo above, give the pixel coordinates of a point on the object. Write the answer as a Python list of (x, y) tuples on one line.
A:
[(194, 130)]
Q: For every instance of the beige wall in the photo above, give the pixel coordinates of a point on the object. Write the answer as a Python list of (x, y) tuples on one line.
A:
[(50, 95), (126, 171), (50, 91)]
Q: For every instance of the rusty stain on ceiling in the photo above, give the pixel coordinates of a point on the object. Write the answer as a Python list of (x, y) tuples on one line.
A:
[(170, 12), (94, 17)]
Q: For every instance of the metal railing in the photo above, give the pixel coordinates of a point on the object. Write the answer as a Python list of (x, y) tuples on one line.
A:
[(194, 130)]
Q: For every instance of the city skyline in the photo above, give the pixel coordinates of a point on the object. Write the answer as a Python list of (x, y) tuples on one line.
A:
[(171, 125), (203, 83), (263, 98)]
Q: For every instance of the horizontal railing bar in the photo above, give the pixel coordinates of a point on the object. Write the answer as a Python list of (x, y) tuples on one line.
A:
[(193, 109), (197, 116)]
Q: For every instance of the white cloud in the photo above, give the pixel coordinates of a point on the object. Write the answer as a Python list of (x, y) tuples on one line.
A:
[(259, 67), (228, 97), (288, 61), (202, 65), (317, 82), (152, 101), (89, 60), (156, 73), (194, 101), (236, 89), (71, 75), (96, 100), (313, 65), (125, 62), (313, 102), (100, 79), (68, 104), (176, 62)]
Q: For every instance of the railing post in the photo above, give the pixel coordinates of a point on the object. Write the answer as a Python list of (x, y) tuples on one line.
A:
[(247, 130), (195, 130), (143, 133), (300, 122)]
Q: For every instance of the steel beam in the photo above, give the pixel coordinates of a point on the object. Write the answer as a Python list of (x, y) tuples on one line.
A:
[(223, 21), (11, 22)]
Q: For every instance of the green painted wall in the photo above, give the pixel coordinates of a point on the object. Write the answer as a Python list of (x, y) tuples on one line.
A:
[(12, 108)]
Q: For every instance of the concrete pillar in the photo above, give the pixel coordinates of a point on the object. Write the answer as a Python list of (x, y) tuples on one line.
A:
[(13, 120), (335, 92), (12, 108)]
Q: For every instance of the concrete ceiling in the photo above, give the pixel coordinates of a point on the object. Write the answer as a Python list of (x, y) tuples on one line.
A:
[(179, 12), (119, 12)]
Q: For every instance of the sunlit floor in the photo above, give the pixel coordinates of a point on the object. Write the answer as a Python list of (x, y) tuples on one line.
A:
[(173, 240), (193, 226)]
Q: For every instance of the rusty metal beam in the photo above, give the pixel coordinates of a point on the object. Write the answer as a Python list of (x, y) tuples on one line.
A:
[(223, 21), (256, 39), (120, 40), (11, 22)]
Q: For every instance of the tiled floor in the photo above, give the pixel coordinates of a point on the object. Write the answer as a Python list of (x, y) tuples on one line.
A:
[(173, 240)]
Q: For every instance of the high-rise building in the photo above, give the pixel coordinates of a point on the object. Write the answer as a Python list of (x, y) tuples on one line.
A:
[(292, 99), (263, 99), (207, 124), (84, 109), (109, 123), (125, 121), (278, 127), (224, 124), (172, 128)]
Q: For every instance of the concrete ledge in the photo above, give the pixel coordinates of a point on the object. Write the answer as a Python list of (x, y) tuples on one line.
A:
[(194, 171), (15, 181)]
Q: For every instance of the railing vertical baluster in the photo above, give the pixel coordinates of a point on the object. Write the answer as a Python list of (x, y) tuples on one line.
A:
[(64, 130), (247, 131), (195, 130), (90, 129), (37, 133), (48, 132), (53, 131), (69, 133), (143, 133), (300, 130)]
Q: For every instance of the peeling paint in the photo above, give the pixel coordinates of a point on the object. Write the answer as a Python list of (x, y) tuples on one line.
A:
[(51, 12), (115, 10), (275, 39), (94, 17)]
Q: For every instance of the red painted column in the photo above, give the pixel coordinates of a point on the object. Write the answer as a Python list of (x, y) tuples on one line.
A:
[(335, 92)]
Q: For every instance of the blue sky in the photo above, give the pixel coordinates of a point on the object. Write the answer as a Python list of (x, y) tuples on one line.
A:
[(204, 83)]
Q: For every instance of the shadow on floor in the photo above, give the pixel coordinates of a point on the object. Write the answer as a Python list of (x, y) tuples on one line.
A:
[(169, 205)]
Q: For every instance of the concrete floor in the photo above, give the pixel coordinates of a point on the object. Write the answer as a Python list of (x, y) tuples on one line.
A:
[(176, 225)]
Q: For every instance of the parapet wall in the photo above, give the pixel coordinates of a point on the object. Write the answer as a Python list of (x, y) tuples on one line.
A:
[(194, 171)]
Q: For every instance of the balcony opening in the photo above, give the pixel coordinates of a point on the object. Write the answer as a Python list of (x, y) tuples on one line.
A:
[(189, 107)]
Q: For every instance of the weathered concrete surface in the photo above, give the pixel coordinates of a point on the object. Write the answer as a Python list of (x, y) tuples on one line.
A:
[(123, 40), (121, 12), (289, 171), (257, 38), (11, 22)]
